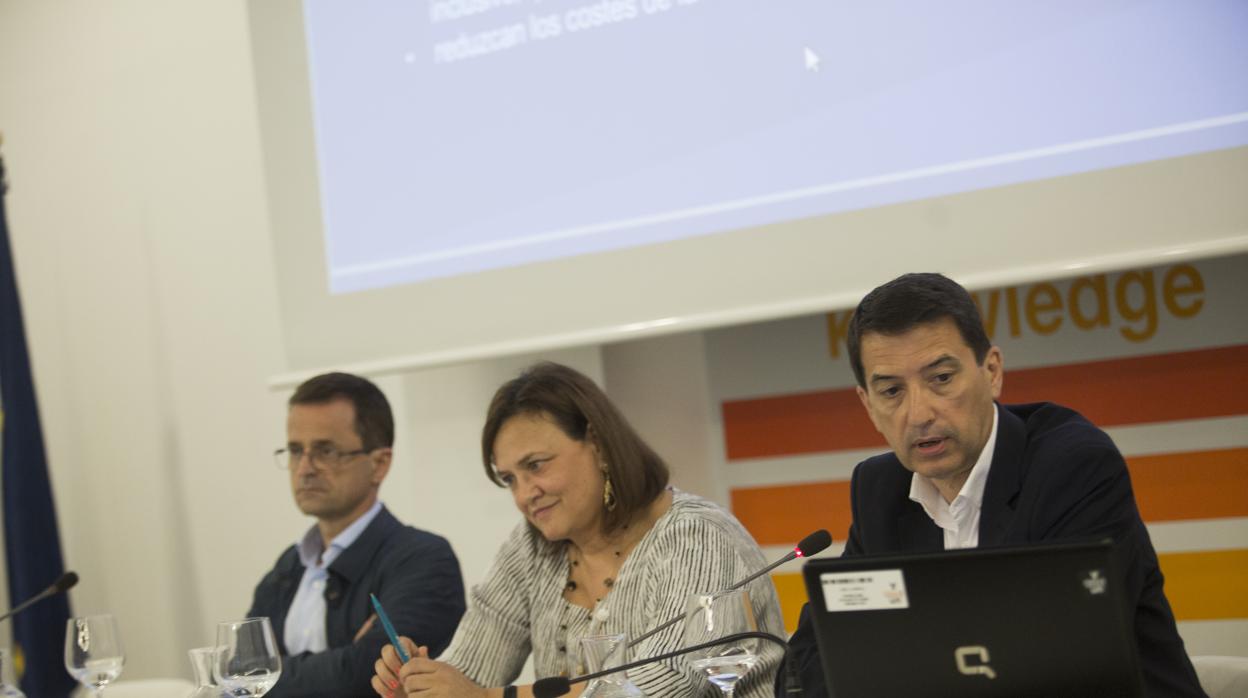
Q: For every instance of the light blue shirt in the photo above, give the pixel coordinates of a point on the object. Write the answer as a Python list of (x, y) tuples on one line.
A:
[(305, 620)]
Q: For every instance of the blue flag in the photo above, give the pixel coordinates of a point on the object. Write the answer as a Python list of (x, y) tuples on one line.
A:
[(32, 545)]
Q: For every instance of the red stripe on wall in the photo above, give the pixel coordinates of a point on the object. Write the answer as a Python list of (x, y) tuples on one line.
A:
[(828, 420), (1137, 390)]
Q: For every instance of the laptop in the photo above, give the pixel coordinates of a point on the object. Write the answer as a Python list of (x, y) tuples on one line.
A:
[(1047, 620)]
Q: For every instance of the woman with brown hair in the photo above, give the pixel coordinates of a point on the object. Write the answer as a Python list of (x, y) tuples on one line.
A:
[(607, 546)]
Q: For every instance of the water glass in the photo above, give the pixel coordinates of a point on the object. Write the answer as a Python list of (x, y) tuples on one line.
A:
[(247, 661), (604, 652), (202, 659), (93, 652), (710, 617), (7, 689)]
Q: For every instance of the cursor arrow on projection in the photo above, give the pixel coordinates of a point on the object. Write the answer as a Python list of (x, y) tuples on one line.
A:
[(812, 60)]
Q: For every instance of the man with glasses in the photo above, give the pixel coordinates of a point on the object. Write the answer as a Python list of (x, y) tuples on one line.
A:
[(339, 432)]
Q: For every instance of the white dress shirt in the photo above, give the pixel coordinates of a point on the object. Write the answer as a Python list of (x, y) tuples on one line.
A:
[(305, 619), (959, 519)]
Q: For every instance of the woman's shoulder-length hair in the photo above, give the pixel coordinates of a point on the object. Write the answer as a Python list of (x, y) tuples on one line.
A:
[(582, 412)]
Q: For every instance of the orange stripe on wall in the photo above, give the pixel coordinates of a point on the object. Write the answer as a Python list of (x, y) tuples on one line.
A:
[(787, 425), (1196, 485), (784, 515), (1168, 487), (1134, 390), (1200, 586)]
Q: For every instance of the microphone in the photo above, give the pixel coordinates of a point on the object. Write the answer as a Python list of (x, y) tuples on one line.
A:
[(555, 686), (812, 544), (63, 583)]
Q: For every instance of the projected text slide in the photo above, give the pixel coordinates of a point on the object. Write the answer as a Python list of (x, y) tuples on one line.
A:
[(456, 136)]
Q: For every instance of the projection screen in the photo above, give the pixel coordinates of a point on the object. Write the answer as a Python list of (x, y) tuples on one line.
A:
[(457, 179)]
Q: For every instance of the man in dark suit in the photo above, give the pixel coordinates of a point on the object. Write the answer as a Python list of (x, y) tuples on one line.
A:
[(339, 432), (967, 472)]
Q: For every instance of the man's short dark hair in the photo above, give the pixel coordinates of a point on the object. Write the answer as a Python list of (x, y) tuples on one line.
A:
[(374, 423), (911, 300)]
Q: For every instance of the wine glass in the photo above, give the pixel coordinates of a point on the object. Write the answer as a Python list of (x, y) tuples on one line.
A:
[(93, 653), (7, 689), (247, 661), (710, 617), (604, 652), (202, 659)]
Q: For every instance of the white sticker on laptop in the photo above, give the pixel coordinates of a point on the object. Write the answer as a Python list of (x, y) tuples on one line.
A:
[(869, 590)]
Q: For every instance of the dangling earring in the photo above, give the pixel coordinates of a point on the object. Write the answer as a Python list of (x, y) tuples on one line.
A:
[(608, 492)]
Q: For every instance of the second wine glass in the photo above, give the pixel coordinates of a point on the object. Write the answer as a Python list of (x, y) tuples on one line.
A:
[(604, 652), (202, 659), (247, 661), (7, 689), (710, 617), (93, 653)]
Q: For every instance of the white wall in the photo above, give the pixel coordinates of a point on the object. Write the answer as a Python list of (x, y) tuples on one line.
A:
[(138, 223), (138, 217), (661, 386)]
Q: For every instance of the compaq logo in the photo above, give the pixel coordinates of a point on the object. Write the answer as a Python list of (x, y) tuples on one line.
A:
[(1095, 583), (980, 667)]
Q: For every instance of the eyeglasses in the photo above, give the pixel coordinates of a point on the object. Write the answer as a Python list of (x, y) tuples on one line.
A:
[(322, 456)]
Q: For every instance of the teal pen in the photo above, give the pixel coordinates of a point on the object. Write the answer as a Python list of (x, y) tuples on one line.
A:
[(389, 627)]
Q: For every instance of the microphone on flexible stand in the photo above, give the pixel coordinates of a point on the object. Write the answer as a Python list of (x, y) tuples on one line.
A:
[(555, 686), (812, 544), (63, 583)]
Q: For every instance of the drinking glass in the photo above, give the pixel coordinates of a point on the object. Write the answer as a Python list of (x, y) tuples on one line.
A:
[(7, 689), (202, 659), (247, 661), (93, 653), (711, 617), (604, 652)]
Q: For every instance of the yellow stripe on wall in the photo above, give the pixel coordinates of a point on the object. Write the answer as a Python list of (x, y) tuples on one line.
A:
[(792, 592), (1206, 585), (1200, 586)]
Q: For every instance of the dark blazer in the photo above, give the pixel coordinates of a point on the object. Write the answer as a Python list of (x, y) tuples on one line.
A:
[(1054, 476), (414, 574)]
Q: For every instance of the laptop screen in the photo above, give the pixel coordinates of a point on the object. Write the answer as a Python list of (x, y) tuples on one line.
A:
[(1033, 621)]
